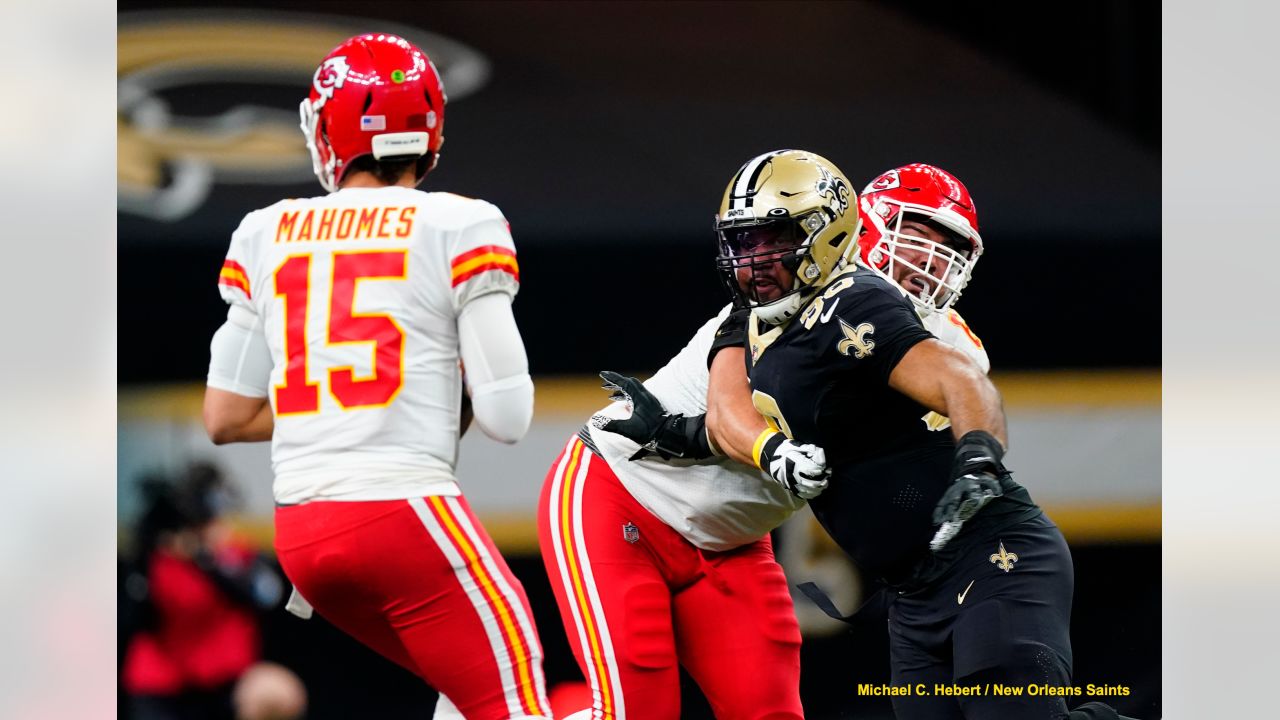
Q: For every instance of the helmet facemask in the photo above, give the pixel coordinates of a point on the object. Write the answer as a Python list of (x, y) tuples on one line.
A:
[(932, 273), (785, 222), (323, 160), (760, 262)]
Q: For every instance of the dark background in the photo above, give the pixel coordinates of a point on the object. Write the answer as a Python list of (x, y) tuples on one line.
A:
[(607, 132)]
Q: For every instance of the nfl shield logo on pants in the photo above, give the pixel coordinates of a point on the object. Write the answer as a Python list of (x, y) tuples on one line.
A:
[(630, 533)]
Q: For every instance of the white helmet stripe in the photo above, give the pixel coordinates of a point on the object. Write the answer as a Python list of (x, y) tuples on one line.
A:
[(746, 179)]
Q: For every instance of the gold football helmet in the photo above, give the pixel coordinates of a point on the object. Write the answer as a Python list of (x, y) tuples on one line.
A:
[(785, 223)]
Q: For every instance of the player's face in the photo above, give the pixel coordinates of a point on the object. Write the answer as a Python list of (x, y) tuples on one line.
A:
[(919, 270), (763, 277)]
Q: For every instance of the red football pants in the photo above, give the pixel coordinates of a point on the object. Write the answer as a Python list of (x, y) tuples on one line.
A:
[(421, 582), (638, 600)]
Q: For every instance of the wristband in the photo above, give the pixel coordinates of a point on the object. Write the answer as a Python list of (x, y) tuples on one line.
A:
[(765, 445)]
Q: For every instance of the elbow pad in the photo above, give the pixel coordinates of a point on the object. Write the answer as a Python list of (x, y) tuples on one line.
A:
[(504, 408)]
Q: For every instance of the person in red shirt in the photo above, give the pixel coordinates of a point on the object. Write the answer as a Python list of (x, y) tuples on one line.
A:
[(196, 591)]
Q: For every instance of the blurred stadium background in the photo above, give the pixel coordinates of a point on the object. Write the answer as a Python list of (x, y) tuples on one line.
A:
[(606, 133)]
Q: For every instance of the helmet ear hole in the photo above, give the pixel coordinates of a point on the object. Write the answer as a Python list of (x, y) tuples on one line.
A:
[(839, 238), (368, 101)]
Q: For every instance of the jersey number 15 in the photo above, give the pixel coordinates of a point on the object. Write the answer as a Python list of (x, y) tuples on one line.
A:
[(293, 285)]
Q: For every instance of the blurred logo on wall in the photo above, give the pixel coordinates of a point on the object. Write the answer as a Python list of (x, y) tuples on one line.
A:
[(204, 98)]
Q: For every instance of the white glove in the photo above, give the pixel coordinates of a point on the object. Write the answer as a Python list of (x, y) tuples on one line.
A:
[(801, 469)]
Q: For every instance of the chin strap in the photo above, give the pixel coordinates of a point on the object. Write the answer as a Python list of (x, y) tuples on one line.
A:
[(783, 309)]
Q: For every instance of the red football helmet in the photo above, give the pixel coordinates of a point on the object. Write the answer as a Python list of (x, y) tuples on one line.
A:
[(377, 95), (933, 273)]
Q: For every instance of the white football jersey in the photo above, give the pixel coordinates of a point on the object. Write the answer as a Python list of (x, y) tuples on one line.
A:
[(951, 329), (716, 504), (358, 293)]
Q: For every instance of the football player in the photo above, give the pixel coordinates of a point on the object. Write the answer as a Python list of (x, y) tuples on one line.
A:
[(838, 357), (350, 314), (659, 564), (918, 229)]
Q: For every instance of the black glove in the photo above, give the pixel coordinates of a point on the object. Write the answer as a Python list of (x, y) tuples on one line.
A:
[(651, 426), (976, 475)]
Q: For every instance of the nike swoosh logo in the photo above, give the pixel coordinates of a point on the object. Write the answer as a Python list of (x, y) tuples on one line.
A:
[(827, 315), (961, 596)]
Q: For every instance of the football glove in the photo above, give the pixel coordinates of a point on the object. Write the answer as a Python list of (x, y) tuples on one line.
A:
[(976, 475), (650, 426), (801, 469)]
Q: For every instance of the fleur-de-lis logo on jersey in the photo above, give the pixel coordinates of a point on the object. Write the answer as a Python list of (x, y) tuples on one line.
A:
[(856, 339), (1004, 559)]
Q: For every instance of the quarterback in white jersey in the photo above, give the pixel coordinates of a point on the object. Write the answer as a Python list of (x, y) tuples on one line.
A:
[(361, 297), (352, 317)]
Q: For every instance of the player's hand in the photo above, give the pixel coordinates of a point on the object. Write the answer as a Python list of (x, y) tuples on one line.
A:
[(647, 412), (650, 426), (977, 471), (802, 469)]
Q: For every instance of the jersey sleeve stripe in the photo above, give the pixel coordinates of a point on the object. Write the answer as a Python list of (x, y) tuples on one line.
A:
[(233, 275), (481, 251), (465, 272)]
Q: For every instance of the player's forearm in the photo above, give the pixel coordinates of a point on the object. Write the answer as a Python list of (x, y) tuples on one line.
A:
[(974, 404), (948, 382), (732, 421), (229, 417)]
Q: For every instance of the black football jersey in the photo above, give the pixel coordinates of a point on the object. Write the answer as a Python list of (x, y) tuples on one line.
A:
[(824, 379)]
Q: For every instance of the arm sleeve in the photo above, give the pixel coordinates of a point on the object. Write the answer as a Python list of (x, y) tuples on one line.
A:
[(239, 359), (497, 369), (875, 329), (482, 258)]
